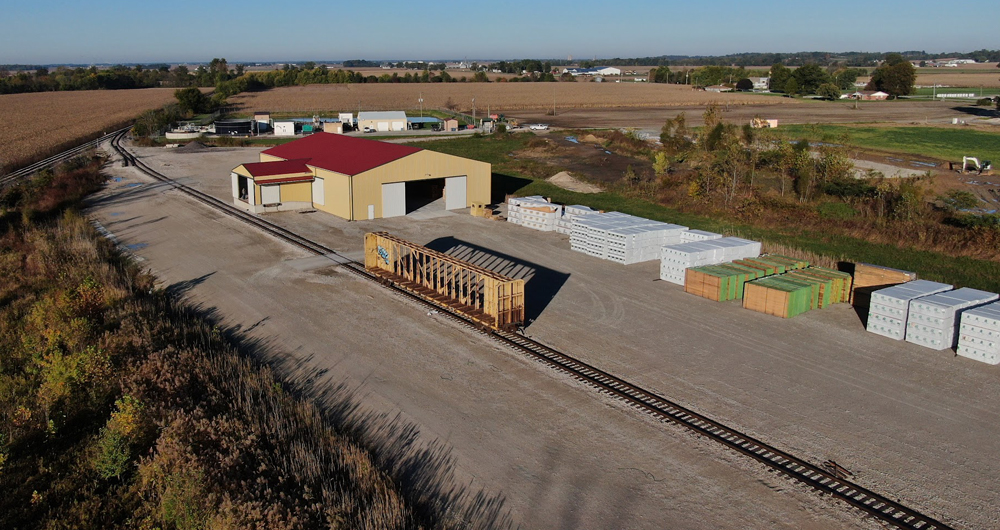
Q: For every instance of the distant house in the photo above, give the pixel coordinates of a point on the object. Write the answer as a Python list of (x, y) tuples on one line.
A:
[(870, 95), (760, 83), (718, 88)]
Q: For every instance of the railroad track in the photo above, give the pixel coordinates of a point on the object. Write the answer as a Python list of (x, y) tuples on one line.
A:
[(25, 172), (799, 470)]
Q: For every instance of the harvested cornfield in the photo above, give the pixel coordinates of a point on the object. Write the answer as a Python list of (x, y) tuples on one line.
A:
[(497, 97), (40, 124)]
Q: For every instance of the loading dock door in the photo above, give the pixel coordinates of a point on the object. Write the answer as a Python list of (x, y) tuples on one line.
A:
[(318, 192), (394, 199), (454, 193), (270, 194), (382, 125)]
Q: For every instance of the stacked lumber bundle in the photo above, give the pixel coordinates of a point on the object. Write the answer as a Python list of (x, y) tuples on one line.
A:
[(676, 259), (690, 235), (780, 296), (890, 307), (934, 319), (869, 278), (565, 223), (797, 291), (720, 282), (621, 238), (533, 212), (979, 334), (834, 286)]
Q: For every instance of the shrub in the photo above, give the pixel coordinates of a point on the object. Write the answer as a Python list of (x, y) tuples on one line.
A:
[(836, 210)]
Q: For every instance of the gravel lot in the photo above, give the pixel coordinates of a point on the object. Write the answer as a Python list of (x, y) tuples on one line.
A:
[(525, 446)]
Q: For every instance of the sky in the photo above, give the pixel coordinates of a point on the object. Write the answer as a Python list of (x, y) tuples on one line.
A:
[(139, 31)]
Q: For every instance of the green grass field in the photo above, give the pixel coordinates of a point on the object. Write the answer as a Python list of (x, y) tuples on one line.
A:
[(942, 143), (980, 92), (967, 272)]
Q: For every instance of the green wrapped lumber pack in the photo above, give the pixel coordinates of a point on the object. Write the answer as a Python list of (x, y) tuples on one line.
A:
[(797, 291), (726, 281)]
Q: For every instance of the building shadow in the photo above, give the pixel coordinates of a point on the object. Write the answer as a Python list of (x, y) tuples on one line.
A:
[(981, 112), (540, 283), (504, 185)]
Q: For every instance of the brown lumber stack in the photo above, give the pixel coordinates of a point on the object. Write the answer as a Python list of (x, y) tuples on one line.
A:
[(870, 278)]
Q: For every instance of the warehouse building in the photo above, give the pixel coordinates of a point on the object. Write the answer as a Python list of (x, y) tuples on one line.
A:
[(355, 178), (382, 121)]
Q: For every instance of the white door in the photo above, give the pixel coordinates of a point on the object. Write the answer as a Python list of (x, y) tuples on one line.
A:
[(454, 193), (371, 212), (399, 125), (382, 125), (394, 199), (236, 186), (318, 193), (270, 194)]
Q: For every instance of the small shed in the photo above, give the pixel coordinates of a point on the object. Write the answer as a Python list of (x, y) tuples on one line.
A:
[(262, 116), (284, 128), (451, 125), (335, 127)]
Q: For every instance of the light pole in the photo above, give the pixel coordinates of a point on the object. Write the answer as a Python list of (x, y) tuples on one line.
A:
[(421, 100), (473, 113)]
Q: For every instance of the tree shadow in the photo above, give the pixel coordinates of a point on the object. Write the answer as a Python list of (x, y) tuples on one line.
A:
[(424, 467), (540, 283), (982, 112)]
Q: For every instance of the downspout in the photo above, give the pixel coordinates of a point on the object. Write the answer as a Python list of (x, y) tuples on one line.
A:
[(351, 191)]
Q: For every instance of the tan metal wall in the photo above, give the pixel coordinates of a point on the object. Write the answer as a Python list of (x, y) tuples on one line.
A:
[(269, 158), (423, 165), (296, 192), (337, 191)]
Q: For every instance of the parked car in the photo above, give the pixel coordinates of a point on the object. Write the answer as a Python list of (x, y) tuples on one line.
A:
[(539, 127), (369, 130)]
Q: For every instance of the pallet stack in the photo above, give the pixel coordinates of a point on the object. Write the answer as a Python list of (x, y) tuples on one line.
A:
[(534, 212), (869, 278), (676, 259), (620, 237), (834, 286), (979, 334), (933, 320), (720, 282), (565, 223), (890, 307)]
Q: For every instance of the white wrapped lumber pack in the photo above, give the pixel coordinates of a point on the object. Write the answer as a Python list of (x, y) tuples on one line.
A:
[(676, 259), (621, 238), (934, 319), (979, 334), (534, 212), (890, 307), (690, 235), (565, 223)]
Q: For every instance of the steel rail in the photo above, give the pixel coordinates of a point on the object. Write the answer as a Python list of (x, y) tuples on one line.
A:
[(20, 174), (797, 469)]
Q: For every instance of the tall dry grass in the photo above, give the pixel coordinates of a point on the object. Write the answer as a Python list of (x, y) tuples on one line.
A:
[(123, 407)]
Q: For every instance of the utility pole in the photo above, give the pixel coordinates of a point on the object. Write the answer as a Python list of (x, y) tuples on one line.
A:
[(421, 100), (473, 113)]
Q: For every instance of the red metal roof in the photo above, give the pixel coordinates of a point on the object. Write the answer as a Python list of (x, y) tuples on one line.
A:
[(283, 167), (343, 154)]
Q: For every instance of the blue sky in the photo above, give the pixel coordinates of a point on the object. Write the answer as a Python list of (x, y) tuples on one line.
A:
[(47, 31)]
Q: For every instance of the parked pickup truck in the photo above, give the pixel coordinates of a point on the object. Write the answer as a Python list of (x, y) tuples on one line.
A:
[(539, 127)]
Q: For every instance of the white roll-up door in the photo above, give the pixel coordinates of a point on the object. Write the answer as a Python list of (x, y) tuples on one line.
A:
[(394, 199), (382, 125), (319, 196), (454, 193), (236, 185), (270, 194)]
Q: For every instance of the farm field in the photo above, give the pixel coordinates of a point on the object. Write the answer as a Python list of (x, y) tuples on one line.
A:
[(500, 97), (47, 122), (943, 143), (947, 76)]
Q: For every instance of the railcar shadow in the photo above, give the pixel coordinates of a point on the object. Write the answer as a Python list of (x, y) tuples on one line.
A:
[(540, 283)]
